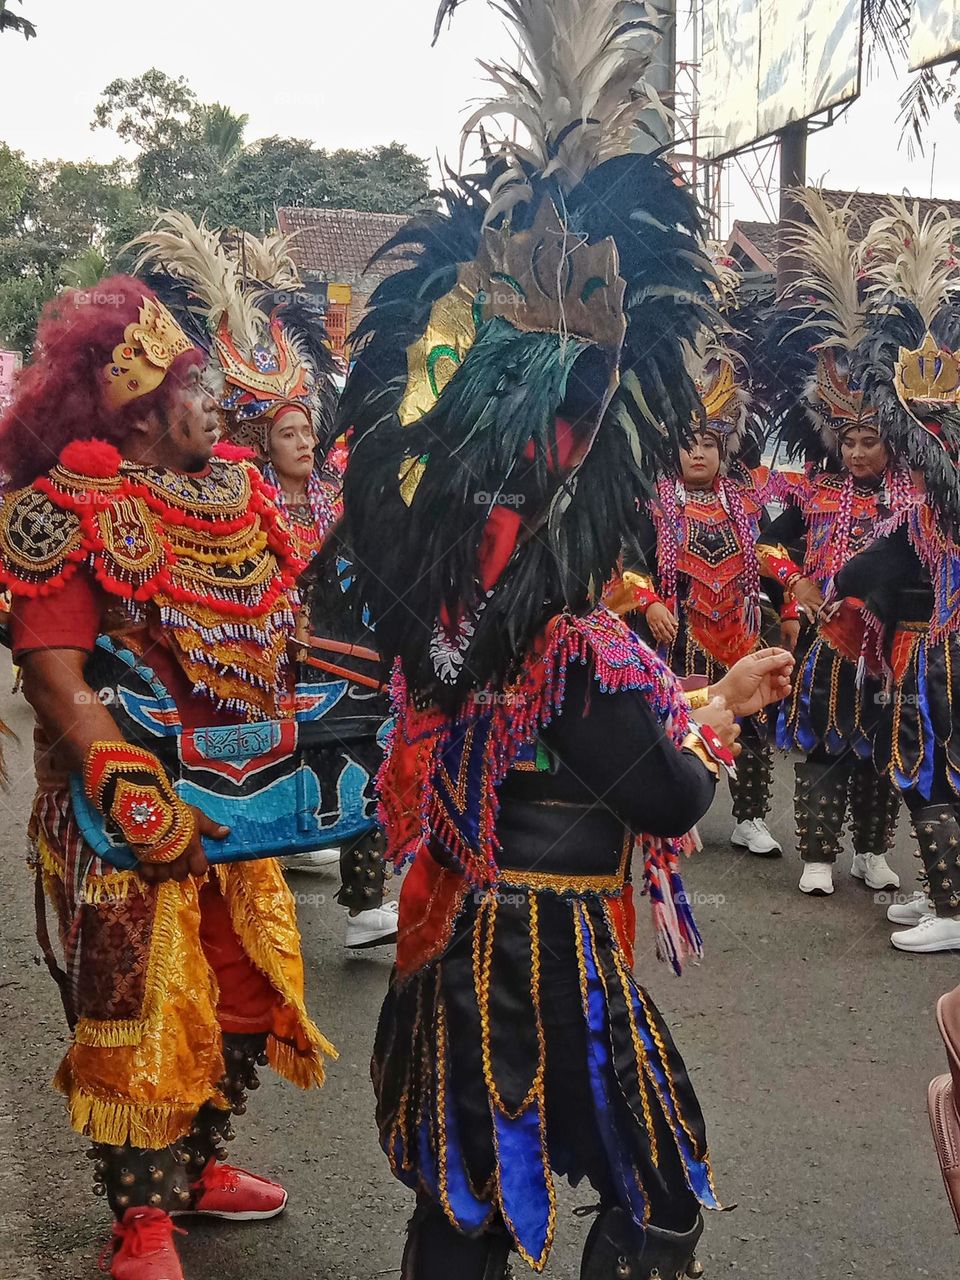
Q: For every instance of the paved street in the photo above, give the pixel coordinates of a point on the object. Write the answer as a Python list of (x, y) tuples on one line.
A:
[(810, 1039)]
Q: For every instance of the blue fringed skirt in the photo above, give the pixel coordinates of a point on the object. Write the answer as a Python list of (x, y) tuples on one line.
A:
[(527, 1049)]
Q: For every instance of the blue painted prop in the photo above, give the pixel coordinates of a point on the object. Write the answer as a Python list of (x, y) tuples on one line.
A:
[(281, 786)]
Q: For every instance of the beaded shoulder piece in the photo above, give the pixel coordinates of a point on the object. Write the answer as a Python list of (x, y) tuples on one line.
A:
[(842, 517), (439, 780), (209, 552)]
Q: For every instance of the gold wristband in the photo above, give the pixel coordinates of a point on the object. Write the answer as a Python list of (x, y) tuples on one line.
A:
[(693, 742), (698, 698)]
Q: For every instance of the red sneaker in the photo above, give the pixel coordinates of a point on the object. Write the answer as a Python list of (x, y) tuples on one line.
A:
[(143, 1247), (224, 1191)]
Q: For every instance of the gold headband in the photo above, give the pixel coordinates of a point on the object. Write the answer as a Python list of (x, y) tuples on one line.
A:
[(141, 361)]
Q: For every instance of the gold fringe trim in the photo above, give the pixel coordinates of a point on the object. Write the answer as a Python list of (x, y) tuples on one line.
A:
[(108, 1035), (302, 1068), (115, 886), (147, 1125), (50, 861)]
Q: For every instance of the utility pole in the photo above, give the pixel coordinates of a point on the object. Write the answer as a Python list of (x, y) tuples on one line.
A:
[(793, 174)]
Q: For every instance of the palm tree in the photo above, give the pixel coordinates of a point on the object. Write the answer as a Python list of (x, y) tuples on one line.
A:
[(10, 22), (223, 132), (85, 270), (886, 26)]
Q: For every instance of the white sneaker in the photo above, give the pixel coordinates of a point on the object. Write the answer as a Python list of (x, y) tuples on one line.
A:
[(753, 834), (313, 861), (874, 869), (373, 928), (817, 879), (911, 911), (933, 933)]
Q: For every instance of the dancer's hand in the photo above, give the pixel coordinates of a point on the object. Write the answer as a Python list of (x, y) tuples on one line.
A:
[(808, 596), (722, 721), (790, 634), (193, 861), (662, 623), (755, 681)]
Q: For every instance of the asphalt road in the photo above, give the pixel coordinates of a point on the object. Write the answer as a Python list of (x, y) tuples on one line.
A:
[(810, 1040)]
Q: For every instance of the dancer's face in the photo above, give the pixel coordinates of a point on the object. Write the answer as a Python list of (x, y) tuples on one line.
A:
[(183, 434), (293, 446), (864, 454), (700, 464)]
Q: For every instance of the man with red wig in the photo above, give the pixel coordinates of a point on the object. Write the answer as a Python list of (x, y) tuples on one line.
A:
[(123, 536)]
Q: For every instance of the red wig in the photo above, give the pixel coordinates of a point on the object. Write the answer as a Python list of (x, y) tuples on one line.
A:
[(59, 395)]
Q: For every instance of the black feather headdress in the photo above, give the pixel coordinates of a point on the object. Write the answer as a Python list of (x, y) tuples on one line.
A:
[(242, 300), (803, 365), (518, 383), (908, 361)]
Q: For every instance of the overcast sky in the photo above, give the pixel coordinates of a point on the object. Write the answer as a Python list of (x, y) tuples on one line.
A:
[(348, 73)]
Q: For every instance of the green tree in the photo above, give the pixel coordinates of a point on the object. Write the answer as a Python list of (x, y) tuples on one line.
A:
[(14, 180), (153, 110), (12, 22), (57, 223), (292, 171), (21, 300), (222, 132)]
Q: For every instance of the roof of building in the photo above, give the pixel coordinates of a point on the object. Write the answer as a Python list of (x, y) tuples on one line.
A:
[(759, 240), (336, 245)]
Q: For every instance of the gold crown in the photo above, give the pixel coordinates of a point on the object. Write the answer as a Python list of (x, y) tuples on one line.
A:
[(927, 374), (719, 393), (140, 362), (544, 280)]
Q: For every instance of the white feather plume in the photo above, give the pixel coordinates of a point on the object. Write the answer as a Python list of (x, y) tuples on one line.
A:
[(577, 89), (916, 256), (192, 253), (835, 265)]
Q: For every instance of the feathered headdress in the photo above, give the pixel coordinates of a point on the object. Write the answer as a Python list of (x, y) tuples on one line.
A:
[(908, 362), (517, 384), (720, 365), (264, 330), (803, 362)]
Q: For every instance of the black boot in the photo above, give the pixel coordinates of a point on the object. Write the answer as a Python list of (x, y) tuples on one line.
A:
[(874, 806), (436, 1250), (362, 873), (821, 806), (617, 1249), (938, 833), (135, 1177), (213, 1128), (752, 787)]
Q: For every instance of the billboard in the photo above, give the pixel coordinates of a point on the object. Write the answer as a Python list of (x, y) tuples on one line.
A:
[(934, 32), (767, 63)]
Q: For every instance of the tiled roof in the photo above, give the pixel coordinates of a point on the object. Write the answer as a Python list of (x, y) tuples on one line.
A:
[(336, 245), (762, 235), (865, 205)]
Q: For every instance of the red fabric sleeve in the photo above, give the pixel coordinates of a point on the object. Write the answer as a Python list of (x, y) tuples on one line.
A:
[(68, 618)]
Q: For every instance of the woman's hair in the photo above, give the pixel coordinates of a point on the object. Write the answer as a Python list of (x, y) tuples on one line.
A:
[(59, 396)]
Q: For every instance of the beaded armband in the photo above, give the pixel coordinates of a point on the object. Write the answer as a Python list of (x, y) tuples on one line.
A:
[(775, 563), (790, 611), (130, 787)]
